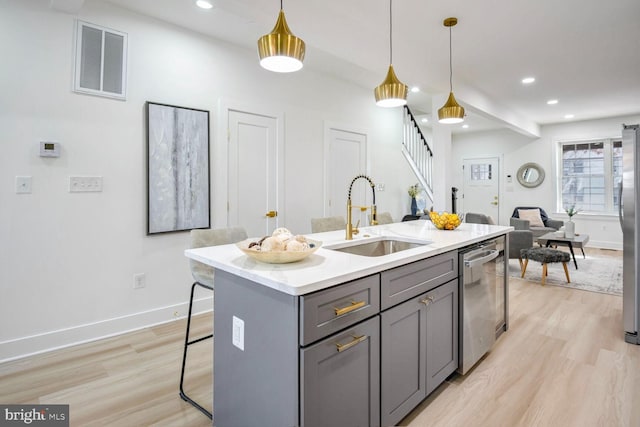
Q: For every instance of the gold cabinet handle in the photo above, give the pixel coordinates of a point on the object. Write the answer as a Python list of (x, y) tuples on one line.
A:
[(344, 310), (272, 214), (494, 203), (356, 340), (427, 300)]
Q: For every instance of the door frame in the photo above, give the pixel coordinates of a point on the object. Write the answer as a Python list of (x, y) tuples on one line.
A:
[(326, 167), (220, 158)]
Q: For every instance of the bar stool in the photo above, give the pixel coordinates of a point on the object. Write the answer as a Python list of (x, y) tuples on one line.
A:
[(204, 277)]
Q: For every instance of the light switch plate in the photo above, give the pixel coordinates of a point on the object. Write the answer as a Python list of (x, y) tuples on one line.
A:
[(84, 184), (23, 184)]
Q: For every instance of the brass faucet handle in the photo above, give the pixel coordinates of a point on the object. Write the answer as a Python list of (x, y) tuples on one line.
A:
[(355, 228)]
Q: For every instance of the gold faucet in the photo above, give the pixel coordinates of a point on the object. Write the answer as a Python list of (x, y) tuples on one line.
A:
[(351, 230)]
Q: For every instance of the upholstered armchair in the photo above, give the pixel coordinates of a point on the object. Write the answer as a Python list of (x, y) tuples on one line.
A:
[(534, 219), (518, 239)]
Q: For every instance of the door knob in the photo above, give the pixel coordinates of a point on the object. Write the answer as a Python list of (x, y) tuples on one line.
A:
[(271, 214)]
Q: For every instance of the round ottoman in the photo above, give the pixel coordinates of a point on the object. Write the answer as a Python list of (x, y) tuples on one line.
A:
[(545, 256)]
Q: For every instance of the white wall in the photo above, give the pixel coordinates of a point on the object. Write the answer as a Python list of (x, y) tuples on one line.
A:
[(67, 260), (515, 149)]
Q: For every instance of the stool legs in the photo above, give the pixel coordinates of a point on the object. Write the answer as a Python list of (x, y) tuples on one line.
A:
[(545, 272), (187, 343), (566, 272), (524, 268)]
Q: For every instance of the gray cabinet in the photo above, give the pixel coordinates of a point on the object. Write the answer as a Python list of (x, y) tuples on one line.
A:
[(419, 349), (403, 351), (340, 378), (362, 353), (401, 283), (442, 333), (331, 310)]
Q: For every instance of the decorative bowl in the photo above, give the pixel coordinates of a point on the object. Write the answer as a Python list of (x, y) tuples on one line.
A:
[(445, 220), (277, 257)]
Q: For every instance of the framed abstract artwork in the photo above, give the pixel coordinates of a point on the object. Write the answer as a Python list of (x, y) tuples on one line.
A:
[(178, 176)]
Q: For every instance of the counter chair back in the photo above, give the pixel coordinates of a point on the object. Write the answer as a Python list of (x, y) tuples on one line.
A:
[(330, 223), (478, 218), (383, 218), (203, 275)]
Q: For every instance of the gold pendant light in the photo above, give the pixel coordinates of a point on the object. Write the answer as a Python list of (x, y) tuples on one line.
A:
[(391, 92), (280, 50), (451, 112)]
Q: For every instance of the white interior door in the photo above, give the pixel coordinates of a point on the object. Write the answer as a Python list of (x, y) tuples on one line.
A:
[(481, 190), (346, 152), (253, 184)]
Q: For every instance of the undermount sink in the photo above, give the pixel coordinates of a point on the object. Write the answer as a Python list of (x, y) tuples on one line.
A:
[(378, 247)]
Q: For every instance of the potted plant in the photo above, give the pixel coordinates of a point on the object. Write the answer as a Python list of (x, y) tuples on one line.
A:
[(571, 211), (569, 226)]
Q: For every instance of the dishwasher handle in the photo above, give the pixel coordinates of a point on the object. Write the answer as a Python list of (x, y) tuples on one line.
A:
[(493, 254)]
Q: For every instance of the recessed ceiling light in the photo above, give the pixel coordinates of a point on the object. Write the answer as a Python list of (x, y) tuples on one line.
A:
[(528, 80), (415, 89), (204, 4), (465, 126), (424, 120), (552, 102), (569, 116)]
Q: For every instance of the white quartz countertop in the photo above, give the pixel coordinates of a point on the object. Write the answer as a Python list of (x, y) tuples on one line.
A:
[(326, 267)]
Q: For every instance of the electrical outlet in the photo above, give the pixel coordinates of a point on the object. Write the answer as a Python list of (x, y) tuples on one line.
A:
[(237, 335), (139, 281), (380, 186)]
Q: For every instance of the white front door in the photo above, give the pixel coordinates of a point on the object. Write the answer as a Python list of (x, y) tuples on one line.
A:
[(481, 187), (253, 186), (346, 152)]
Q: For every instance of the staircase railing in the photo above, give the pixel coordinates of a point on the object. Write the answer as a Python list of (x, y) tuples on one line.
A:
[(417, 152)]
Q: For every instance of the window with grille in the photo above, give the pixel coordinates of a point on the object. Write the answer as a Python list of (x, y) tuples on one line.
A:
[(480, 172), (101, 61), (591, 173)]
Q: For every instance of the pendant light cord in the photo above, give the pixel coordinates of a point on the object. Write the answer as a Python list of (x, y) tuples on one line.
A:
[(450, 64), (280, 4), (390, 33)]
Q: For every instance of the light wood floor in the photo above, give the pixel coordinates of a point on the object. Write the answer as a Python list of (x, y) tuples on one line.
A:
[(562, 363)]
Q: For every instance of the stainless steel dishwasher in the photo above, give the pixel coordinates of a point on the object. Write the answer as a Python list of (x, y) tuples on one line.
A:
[(480, 272)]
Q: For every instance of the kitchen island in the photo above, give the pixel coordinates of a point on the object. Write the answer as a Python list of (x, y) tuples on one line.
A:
[(338, 338)]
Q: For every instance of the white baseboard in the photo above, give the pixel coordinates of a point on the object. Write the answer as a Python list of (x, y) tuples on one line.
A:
[(35, 344), (601, 244)]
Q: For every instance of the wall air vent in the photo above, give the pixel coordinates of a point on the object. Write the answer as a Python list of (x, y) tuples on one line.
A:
[(101, 61)]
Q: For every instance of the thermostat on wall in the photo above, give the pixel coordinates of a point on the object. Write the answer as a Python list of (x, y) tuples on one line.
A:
[(49, 149)]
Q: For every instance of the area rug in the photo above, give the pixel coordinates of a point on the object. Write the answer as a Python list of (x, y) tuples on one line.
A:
[(595, 273)]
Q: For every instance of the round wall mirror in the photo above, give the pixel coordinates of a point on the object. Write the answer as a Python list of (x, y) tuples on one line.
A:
[(530, 175)]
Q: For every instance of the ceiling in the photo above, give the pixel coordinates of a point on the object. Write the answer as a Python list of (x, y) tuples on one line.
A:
[(584, 53)]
